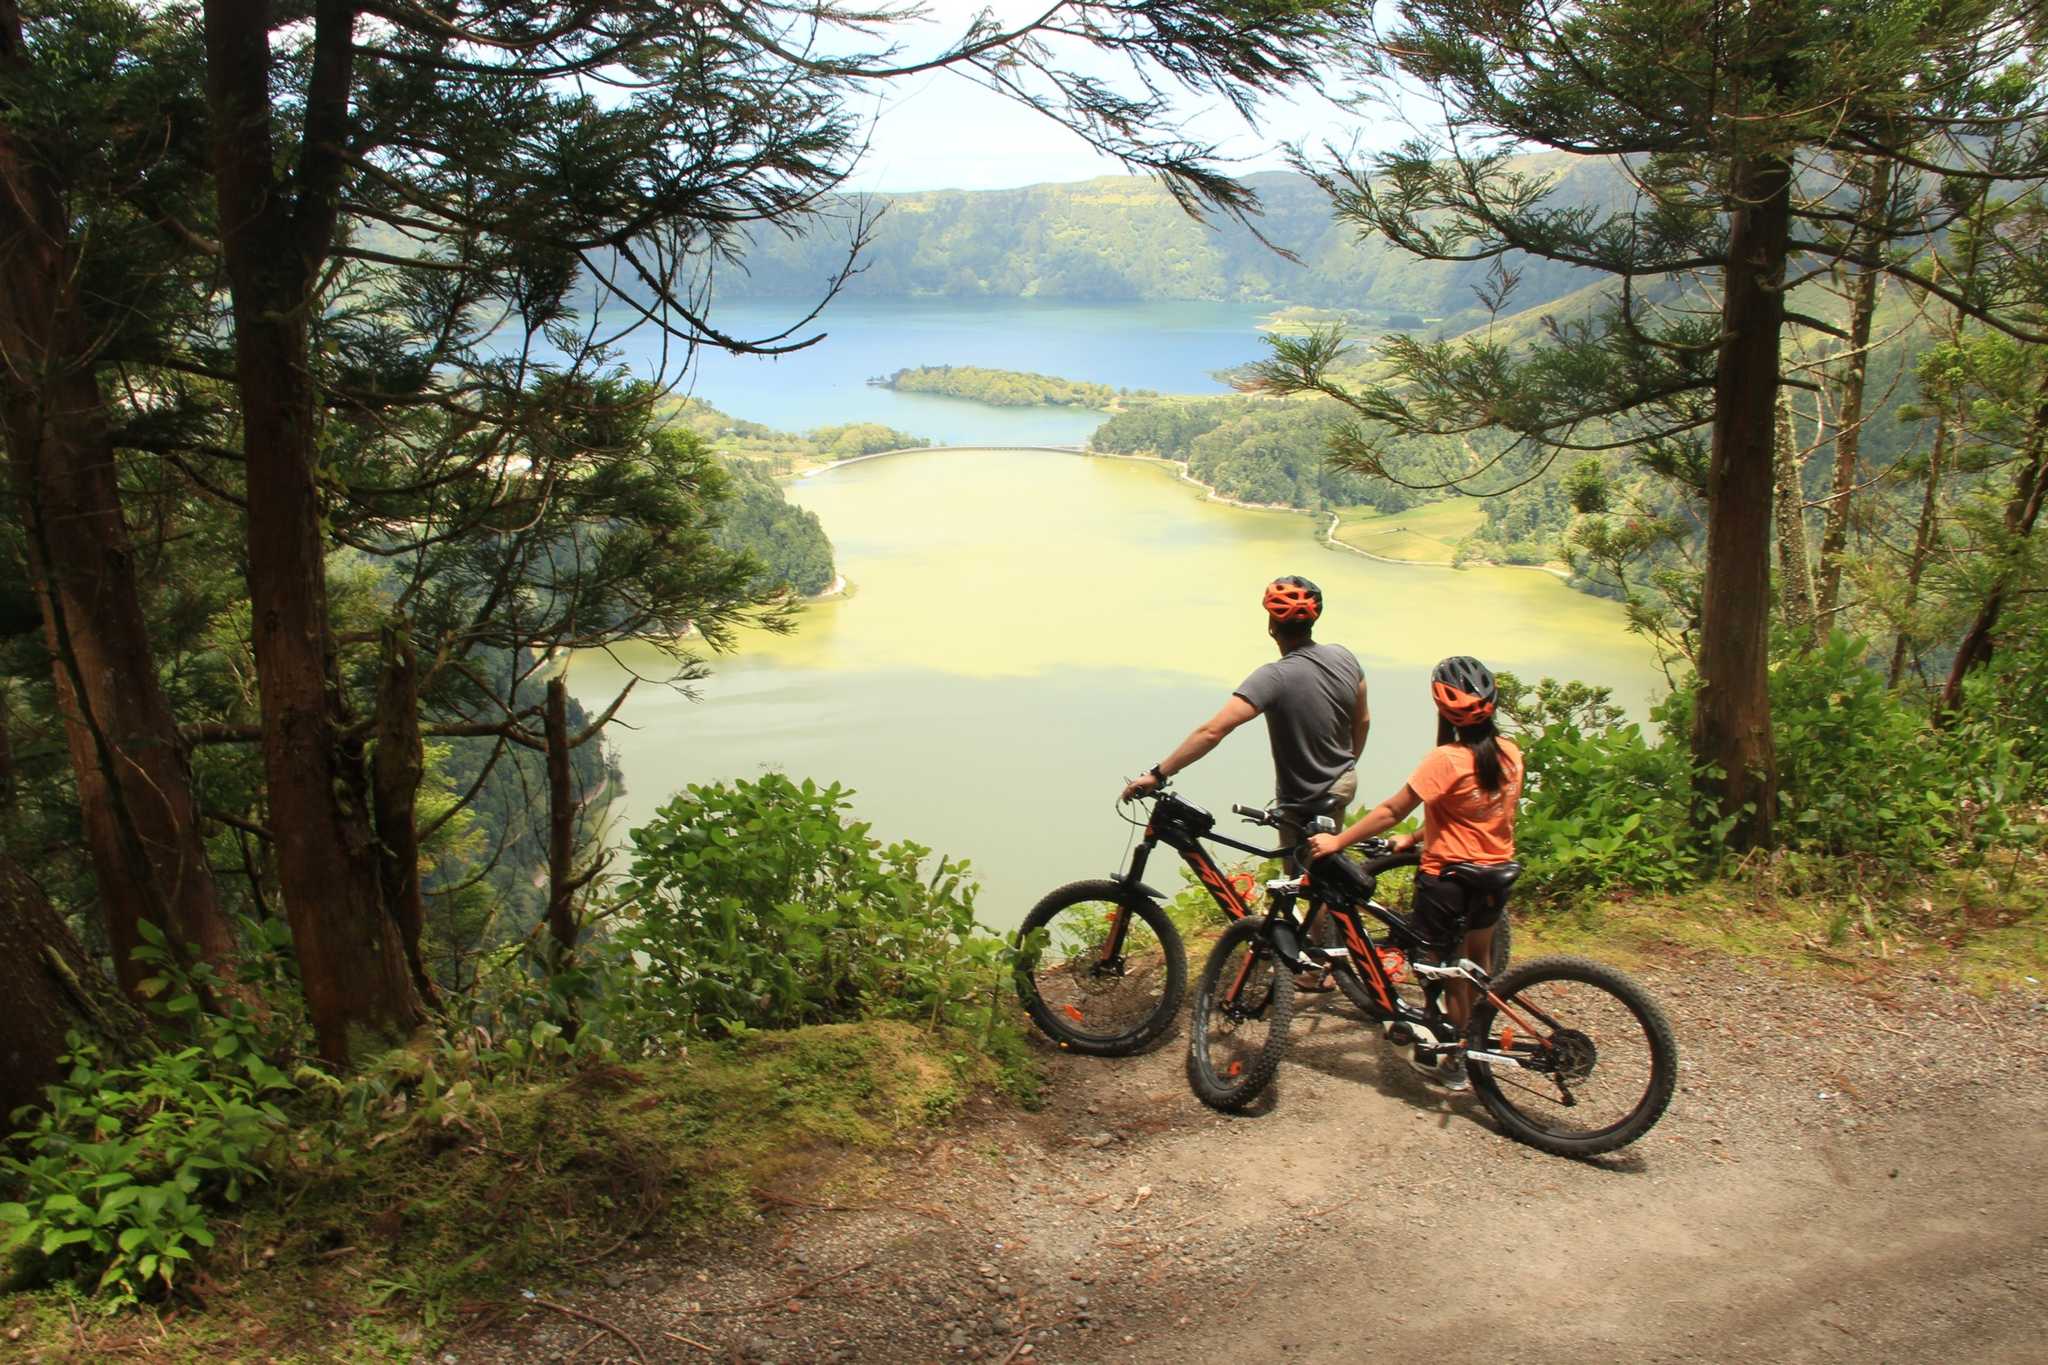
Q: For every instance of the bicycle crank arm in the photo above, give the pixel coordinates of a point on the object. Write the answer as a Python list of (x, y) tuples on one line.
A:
[(1464, 969), (1493, 1058)]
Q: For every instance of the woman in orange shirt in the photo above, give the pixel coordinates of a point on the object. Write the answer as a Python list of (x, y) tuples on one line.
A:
[(1468, 788)]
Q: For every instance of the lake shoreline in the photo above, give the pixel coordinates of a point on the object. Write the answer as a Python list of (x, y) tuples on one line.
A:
[(1325, 536)]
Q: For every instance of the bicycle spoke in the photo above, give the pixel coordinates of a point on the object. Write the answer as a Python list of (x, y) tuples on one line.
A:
[(1086, 978)]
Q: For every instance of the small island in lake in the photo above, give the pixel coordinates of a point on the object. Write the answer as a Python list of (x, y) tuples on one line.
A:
[(1004, 388)]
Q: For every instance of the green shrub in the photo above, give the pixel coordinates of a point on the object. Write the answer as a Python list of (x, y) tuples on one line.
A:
[(763, 905), (1863, 773), (116, 1173), (1605, 808), (1860, 771)]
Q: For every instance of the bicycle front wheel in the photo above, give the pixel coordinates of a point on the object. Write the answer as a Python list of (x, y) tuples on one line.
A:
[(1594, 1061), (1244, 1005), (1100, 968)]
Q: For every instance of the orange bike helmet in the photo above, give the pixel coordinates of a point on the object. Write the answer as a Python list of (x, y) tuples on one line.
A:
[(1462, 689), (1293, 598)]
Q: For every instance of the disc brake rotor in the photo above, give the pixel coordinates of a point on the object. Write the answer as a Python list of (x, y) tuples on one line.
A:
[(1571, 1055)]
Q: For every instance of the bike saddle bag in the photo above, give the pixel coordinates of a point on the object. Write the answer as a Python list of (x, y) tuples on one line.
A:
[(1490, 880), (1343, 879)]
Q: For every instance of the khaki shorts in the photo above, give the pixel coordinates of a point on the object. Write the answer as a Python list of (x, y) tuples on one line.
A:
[(1342, 793)]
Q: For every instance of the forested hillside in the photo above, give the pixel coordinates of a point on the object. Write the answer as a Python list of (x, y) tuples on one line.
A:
[(1249, 449), (1125, 238), (786, 539)]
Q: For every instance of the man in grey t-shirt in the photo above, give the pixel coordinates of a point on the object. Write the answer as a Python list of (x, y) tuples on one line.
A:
[(1313, 699)]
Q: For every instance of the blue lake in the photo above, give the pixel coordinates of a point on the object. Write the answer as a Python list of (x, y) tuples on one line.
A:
[(1173, 347)]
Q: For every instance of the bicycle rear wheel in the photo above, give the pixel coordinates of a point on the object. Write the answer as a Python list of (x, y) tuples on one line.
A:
[(1244, 1005), (1085, 991), (1595, 1059)]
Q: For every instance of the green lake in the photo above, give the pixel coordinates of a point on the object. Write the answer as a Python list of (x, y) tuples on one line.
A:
[(1027, 628)]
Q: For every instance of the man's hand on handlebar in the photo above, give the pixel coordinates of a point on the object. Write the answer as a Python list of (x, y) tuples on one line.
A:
[(1140, 785)]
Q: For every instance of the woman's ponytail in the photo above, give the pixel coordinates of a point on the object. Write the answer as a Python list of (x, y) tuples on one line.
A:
[(1484, 742)]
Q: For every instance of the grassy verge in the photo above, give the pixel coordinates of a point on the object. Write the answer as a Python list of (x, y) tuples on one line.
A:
[(1983, 928), (382, 1255)]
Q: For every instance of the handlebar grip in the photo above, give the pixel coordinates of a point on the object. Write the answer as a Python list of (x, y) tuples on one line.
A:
[(1250, 813)]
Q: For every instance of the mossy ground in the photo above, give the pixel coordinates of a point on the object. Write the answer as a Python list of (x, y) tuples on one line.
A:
[(1983, 927), (380, 1255)]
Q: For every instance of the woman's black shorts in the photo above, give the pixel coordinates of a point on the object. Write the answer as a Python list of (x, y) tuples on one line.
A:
[(1446, 912)]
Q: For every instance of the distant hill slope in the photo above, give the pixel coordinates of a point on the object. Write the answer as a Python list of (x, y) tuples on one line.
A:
[(1122, 237)]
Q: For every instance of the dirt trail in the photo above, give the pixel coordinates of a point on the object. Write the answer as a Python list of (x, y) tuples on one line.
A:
[(1842, 1177)]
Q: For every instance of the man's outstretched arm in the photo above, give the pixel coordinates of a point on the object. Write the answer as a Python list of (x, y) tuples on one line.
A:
[(1200, 741)]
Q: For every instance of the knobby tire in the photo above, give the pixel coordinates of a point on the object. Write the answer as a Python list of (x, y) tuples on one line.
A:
[(1208, 1074), (1139, 1025), (1516, 1098)]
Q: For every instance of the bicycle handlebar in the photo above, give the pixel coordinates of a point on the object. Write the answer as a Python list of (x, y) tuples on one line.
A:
[(1255, 815)]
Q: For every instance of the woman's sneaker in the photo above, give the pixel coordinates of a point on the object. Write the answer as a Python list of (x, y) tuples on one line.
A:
[(1450, 1071)]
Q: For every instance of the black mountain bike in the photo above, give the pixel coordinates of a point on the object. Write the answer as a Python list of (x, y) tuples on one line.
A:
[(1101, 968), (1569, 1056)]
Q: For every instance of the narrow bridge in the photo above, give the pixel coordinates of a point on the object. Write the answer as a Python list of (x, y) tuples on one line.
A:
[(926, 450)]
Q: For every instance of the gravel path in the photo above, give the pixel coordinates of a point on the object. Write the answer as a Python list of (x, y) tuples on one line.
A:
[(1847, 1174)]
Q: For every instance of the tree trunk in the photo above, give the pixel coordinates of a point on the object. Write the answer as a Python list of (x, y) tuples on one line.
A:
[(275, 239), (1923, 544), (1732, 717), (562, 805), (1795, 577), (395, 781), (563, 883), (1834, 537), (2022, 510), (137, 807), (54, 988)]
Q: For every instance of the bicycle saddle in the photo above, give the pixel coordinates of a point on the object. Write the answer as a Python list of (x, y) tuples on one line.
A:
[(1491, 880)]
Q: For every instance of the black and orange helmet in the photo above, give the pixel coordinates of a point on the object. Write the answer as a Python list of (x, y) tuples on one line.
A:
[(1463, 690), (1293, 598)]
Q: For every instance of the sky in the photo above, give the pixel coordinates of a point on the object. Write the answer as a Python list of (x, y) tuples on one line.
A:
[(938, 130)]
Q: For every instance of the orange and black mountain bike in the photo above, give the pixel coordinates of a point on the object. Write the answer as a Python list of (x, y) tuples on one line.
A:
[(1568, 1055), (1100, 966)]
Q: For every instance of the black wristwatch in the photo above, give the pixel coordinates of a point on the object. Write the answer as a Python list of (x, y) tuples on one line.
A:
[(1158, 776)]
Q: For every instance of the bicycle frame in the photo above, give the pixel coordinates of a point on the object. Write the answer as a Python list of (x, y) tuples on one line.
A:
[(1182, 827), (1297, 954)]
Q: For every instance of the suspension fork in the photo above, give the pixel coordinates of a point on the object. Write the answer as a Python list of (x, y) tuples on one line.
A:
[(1120, 921), (1279, 936)]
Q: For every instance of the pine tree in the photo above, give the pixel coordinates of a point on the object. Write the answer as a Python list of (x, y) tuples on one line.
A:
[(1738, 121)]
